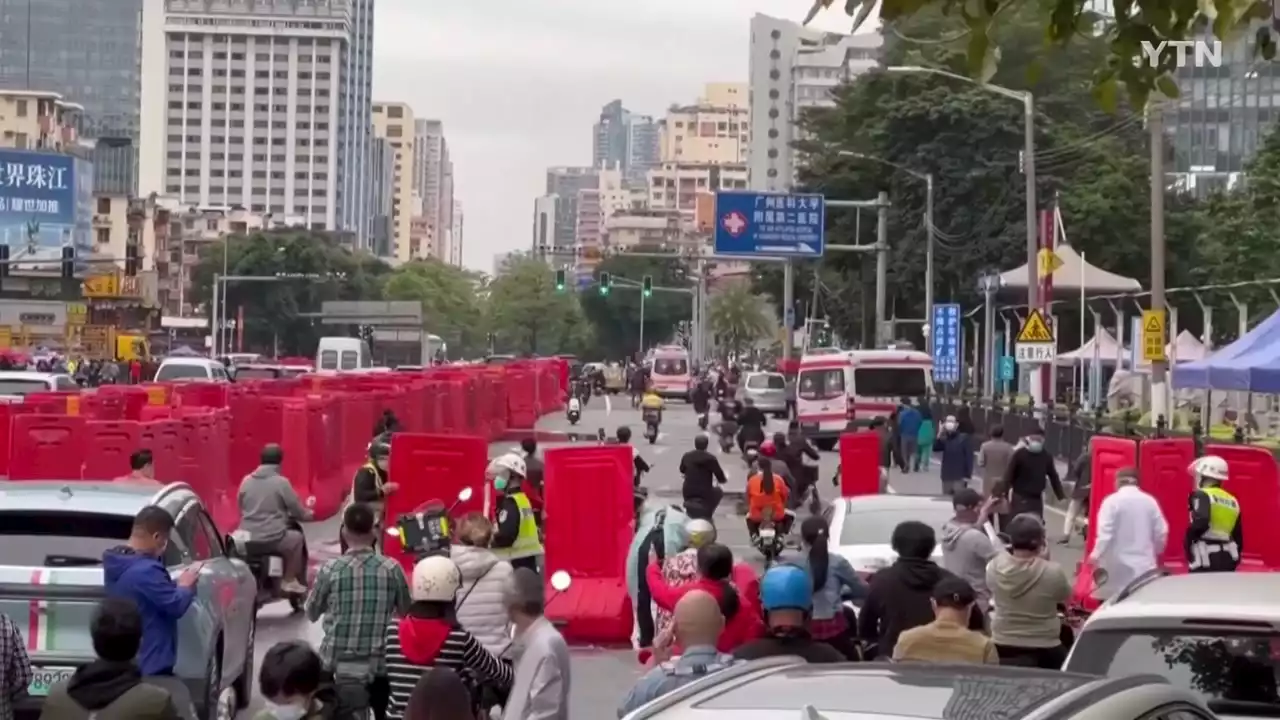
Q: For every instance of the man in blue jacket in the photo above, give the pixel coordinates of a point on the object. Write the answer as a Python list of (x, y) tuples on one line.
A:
[(136, 571), (909, 420)]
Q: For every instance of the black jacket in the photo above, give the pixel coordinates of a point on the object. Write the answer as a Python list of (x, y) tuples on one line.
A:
[(534, 471), (899, 599), (700, 468), (508, 526), (365, 485), (1028, 473), (781, 644)]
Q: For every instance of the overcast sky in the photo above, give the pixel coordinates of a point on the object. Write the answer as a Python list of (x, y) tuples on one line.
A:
[(519, 83)]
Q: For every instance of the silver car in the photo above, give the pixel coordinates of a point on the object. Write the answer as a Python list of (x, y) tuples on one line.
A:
[(768, 390), (55, 533)]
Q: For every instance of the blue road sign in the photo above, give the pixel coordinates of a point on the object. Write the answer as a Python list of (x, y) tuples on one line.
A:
[(1008, 368), (945, 330), (770, 224)]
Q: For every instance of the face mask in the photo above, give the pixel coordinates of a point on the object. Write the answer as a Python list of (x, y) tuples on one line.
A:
[(949, 427), (286, 712), (500, 483), (1035, 446)]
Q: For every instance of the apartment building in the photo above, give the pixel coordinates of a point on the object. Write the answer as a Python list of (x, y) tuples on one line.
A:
[(564, 183), (394, 122), (421, 239), (433, 182), (382, 195), (36, 120), (657, 230), (715, 129), (675, 186), (455, 246), (253, 101)]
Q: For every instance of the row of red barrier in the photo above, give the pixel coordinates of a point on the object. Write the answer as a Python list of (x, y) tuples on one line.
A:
[(210, 436)]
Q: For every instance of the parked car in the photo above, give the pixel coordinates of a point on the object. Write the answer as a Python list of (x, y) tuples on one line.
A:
[(54, 534), (768, 390)]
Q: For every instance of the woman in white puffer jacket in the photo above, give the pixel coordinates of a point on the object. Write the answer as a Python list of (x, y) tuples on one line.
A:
[(479, 603)]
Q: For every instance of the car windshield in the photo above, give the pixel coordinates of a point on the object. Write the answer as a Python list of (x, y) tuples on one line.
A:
[(15, 386), (766, 382), (875, 527), (258, 373), (821, 384), (182, 371), (890, 382), (1234, 673), (59, 539), (670, 366)]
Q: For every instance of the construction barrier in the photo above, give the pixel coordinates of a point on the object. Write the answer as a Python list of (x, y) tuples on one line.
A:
[(859, 464), (211, 435), (1162, 472), (589, 522)]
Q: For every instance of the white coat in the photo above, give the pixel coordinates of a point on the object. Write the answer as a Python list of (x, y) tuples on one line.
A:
[(1132, 533), (479, 601)]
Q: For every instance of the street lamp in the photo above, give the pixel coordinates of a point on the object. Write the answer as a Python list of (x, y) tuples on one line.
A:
[(1028, 171), (928, 219)]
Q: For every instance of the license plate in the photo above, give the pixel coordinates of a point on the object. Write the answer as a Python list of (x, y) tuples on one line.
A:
[(44, 678), (767, 534), (275, 567)]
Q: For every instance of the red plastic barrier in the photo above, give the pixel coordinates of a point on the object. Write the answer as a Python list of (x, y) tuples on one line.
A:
[(108, 445), (46, 447), (859, 464), (1164, 476), (589, 521), (434, 467), (1255, 481)]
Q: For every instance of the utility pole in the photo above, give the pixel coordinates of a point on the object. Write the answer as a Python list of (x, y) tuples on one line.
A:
[(788, 307), (928, 262), (882, 268), (1159, 368), (1033, 226)]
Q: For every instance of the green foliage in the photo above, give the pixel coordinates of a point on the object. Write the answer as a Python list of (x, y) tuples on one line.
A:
[(529, 316), (616, 316), (272, 308), (980, 27), (449, 302), (738, 317)]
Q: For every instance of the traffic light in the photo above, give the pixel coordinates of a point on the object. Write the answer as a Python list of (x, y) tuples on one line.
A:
[(606, 283), (648, 285), (68, 262), (131, 260), (560, 280)]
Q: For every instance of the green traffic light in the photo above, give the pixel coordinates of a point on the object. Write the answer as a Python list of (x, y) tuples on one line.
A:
[(604, 290)]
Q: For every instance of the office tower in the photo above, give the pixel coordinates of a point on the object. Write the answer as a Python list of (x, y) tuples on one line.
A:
[(433, 183), (393, 122), (565, 183), (626, 141)]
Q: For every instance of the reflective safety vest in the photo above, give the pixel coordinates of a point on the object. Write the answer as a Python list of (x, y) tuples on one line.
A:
[(378, 505), (527, 543), (1224, 513)]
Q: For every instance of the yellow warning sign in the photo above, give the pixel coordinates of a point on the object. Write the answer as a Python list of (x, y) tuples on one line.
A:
[(1153, 336), (1047, 262), (1035, 329)]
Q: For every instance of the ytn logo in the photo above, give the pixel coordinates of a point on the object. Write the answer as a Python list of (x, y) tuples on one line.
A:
[(1203, 53)]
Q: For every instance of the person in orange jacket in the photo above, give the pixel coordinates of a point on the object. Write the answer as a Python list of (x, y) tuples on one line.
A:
[(767, 492)]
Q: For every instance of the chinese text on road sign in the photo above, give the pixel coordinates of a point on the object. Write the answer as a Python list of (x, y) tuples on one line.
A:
[(770, 224), (946, 343), (1035, 343), (1153, 336)]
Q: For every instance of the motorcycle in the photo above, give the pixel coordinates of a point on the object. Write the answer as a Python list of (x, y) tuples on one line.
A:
[(574, 413), (768, 541), (703, 421), (426, 531), (728, 429), (652, 418), (267, 565), (750, 451)]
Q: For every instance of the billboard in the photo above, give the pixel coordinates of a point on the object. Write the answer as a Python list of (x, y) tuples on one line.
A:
[(46, 203)]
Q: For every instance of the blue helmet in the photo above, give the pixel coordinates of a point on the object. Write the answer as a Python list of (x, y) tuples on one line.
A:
[(786, 587)]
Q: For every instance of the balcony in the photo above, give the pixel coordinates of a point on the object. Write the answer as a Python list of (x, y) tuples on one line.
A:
[(101, 221)]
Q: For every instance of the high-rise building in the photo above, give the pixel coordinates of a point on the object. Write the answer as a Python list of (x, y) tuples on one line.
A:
[(625, 140), (565, 183), (245, 103), (433, 183), (382, 195), (393, 122), (455, 250), (713, 130), (791, 68), (88, 52), (355, 211)]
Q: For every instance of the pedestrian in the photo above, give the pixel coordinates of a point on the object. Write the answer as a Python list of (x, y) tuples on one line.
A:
[(110, 687), (1027, 589), (909, 420), (542, 673), (484, 575), (966, 549), (1132, 534), (15, 667), (142, 468), (925, 438), (993, 459), (1081, 477), (947, 639), (137, 571), (357, 595), (956, 457), (296, 686), (440, 695), (1030, 469), (698, 624)]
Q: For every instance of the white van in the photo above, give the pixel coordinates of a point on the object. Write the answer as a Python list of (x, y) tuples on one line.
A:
[(833, 389), (191, 369), (342, 354), (17, 384)]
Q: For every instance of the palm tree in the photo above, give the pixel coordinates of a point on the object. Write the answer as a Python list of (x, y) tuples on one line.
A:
[(739, 317)]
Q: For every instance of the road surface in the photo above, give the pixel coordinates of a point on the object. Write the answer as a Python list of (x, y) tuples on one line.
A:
[(601, 678)]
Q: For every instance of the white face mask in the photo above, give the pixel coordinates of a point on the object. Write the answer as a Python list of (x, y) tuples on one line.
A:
[(949, 426), (286, 712)]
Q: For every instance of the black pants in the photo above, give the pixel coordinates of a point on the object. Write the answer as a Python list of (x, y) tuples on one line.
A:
[(356, 698), (1043, 658), (526, 562), (703, 505), (1218, 562), (646, 626)]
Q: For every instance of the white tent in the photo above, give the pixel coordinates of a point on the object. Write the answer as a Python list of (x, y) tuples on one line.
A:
[(1184, 348), (1067, 278), (1107, 350)]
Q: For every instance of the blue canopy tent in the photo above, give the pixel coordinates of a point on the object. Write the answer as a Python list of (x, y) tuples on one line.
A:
[(1250, 364)]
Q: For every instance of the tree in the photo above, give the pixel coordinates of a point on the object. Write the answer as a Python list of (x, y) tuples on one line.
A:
[(450, 304), (615, 318), (739, 317), (1136, 27), (306, 269), (528, 315)]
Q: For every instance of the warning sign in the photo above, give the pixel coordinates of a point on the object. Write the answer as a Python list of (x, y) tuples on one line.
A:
[(1035, 329), (1153, 336)]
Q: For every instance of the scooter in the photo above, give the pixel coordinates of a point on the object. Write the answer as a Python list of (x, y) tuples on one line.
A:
[(267, 565), (651, 420), (574, 412), (728, 429), (703, 420), (426, 531), (768, 541)]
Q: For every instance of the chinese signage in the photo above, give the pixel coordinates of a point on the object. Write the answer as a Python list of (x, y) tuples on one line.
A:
[(111, 285), (1035, 343), (77, 313), (945, 332), (770, 224), (1153, 336), (37, 187)]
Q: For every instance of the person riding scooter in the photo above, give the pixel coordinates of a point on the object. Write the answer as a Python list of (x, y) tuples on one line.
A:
[(651, 408), (700, 397), (269, 513), (574, 410), (751, 422), (727, 428), (516, 538)]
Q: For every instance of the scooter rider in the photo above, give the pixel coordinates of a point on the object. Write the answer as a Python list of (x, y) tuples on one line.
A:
[(623, 437), (1215, 537), (786, 593), (651, 408), (370, 485), (516, 537), (269, 508), (751, 422)]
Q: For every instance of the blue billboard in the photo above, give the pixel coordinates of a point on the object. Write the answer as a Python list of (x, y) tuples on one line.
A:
[(46, 203)]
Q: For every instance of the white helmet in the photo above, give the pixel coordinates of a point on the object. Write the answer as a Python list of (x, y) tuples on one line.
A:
[(700, 532), (1209, 467), (435, 579), (511, 463)]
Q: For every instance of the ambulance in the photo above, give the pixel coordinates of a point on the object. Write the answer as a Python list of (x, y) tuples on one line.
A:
[(670, 373), (834, 388)]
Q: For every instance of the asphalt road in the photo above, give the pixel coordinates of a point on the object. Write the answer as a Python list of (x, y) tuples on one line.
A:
[(601, 678)]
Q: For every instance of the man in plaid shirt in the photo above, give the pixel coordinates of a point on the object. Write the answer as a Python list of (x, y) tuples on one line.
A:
[(15, 667), (358, 594)]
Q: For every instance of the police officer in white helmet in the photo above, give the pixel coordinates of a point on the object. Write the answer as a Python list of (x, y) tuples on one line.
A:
[(515, 537), (1215, 538)]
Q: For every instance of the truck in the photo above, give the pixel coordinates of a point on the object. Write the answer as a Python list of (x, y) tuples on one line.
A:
[(109, 343)]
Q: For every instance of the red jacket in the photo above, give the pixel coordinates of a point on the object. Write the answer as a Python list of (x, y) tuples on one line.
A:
[(743, 627)]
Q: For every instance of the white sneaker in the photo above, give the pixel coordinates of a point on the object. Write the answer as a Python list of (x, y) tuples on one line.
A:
[(293, 587)]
